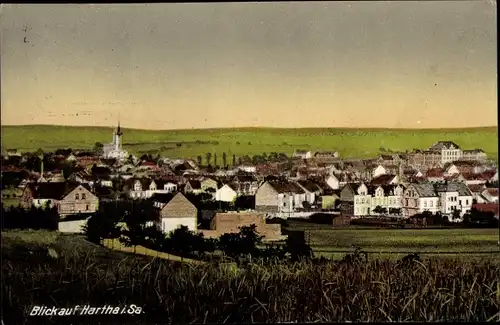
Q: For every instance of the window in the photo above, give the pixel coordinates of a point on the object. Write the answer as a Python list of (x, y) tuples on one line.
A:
[(77, 196), (87, 207), (83, 196), (425, 204), (466, 202), (430, 204)]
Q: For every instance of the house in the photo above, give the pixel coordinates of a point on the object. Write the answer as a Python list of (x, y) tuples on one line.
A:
[(474, 155), (69, 198), (448, 150), (71, 157), (333, 181), (231, 222), (329, 200), (454, 196), (385, 179), (227, 193), (355, 200), (435, 175), (390, 160), (247, 168), (389, 197), (303, 154), (312, 190), (246, 184), (176, 212), (378, 171), (477, 193), (420, 197), (418, 158), (83, 177), (490, 194), (473, 179), (207, 183), (279, 196), (326, 155), (193, 186), (465, 167)]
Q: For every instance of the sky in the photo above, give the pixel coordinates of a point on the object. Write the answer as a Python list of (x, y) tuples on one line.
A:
[(356, 64)]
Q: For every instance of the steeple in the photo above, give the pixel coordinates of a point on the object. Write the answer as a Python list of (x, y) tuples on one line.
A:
[(118, 129)]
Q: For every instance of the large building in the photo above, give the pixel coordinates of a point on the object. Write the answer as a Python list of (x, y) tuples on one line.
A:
[(114, 150)]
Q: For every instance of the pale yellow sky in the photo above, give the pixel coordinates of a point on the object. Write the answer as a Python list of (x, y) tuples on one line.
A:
[(171, 66)]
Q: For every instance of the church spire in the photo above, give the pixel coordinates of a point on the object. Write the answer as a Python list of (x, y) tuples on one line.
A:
[(118, 129)]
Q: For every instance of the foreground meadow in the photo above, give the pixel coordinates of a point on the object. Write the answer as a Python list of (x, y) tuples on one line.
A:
[(359, 143), (77, 272)]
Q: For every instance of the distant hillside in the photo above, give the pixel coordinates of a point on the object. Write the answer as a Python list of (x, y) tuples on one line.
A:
[(248, 141)]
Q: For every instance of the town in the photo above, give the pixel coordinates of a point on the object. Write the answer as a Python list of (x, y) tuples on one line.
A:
[(217, 195)]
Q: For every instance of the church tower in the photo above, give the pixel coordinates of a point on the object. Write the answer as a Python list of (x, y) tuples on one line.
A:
[(118, 135)]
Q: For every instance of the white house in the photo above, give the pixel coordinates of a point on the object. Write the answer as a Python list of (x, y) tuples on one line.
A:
[(378, 171), (387, 196), (179, 211), (311, 189), (449, 151), (418, 198), (303, 154), (248, 168), (226, 193), (333, 182), (454, 196), (279, 196), (362, 201)]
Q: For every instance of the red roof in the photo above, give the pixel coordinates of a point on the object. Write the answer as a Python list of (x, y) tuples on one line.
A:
[(435, 172), (487, 207), (493, 191)]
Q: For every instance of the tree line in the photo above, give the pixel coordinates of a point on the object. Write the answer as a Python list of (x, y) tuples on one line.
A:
[(140, 229)]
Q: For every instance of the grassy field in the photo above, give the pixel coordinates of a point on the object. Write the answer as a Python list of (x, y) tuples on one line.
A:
[(81, 273), (396, 243), (247, 141)]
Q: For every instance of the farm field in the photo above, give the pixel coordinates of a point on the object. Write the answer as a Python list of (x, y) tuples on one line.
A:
[(359, 143), (81, 272), (396, 243)]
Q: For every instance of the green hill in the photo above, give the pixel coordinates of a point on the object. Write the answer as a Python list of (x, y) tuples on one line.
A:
[(247, 141)]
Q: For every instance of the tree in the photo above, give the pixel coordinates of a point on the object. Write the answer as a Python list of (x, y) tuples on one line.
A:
[(208, 157), (383, 210), (199, 160), (377, 209), (101, 226), (39, 152), (182, 242), (133, 235), (234, 160), (98, 148), (455, 215), (224, 159), (215, 159), (243, 243), (67, 169)]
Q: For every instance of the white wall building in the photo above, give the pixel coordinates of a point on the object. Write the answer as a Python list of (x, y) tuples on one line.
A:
[(226, 193)]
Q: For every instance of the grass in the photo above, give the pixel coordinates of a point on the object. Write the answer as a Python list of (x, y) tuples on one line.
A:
[(406, 240), (83, 273), (248, 141), (117, 245)]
